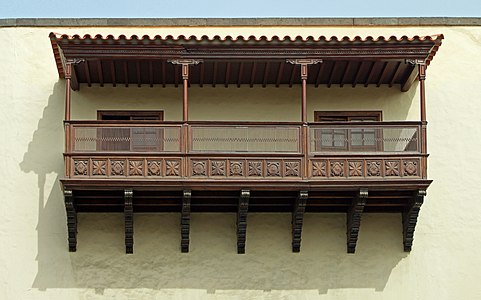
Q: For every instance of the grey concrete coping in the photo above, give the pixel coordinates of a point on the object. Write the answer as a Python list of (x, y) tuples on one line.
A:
[(251, 22)]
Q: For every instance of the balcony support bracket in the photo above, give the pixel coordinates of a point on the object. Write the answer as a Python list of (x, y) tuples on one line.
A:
[(185, 221), (354, 219), (410, 218), (71, 219), (129, 221), (242, 220), (298, 220)]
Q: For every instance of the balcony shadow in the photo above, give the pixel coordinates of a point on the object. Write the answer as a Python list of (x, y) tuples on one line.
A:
[(212, 264)]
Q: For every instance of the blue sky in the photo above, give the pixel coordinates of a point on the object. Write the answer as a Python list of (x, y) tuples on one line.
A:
[(241, 8)]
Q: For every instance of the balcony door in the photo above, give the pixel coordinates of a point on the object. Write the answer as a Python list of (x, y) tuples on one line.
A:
[(350, 139), (130, 138)]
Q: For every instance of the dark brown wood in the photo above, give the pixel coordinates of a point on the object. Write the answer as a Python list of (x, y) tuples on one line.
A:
[(371, 74), (177, 74), (383, 74), (298, 220), (227, 74), (266, 74), (331, 73), (376, 115), (112, 73), (68, 78), (214, 74), (185, 221), (412, 77), (151, 74), (164, 75), (241, 73), (280, 73), (253, 74), (71, 219), (422, 90), (304, 93), (293, 75), (126, 74), (202, 75), (185, 102), (129, 221), (242, 209), (319, 75), (354, 219), (137, 67), (130, 114), (345, 73), (357, 74), (410, 218), (87, 73), (100, 73), (396, 74)]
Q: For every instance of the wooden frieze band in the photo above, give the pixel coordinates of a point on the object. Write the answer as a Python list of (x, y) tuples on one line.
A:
[(185, 221), (71, 220), (242, 220), (298, 220), (410, 218), (129, 221), (354, 219)]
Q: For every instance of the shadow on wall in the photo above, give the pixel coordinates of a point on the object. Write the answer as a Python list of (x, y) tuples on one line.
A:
[(212, 264)]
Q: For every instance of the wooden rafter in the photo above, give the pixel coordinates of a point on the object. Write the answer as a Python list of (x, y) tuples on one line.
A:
[(239, 77), (293, 75), (214, 74), (395, 75), (319, 75), (87, 73), (280, 72), (371, 74), (253, 74), (112, 71), (126, 74), (358, 73), (331, 74), (151, 73), (137, 67), (177, 75), (266, 74), (100, 71), (227, 74), (345, 73), (202, 74), (383, 74), (163, 73)]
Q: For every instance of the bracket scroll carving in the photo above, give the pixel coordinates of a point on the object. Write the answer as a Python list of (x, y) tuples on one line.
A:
[(242, 220), (298, 220), (354, 219), (129, 221), (410, 218), (71, 220), (185, 221)]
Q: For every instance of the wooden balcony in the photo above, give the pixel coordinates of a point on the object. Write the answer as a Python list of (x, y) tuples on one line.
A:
[(244, 154)]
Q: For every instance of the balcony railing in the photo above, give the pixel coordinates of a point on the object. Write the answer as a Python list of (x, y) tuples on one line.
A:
[(244, 150)]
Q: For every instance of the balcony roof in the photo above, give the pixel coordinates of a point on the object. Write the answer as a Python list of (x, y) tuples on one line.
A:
[(243, 60)]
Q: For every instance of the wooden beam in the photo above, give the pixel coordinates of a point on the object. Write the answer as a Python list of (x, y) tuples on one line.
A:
[(139, 80), (253, 74), (319, 74), (151, 74), (177, 72), (410, 218), (344, 76), (112, 70), (410, 80), (280, 72), (298, 220), (101, 73), (71, 219), (358, 72), (214, 74), (331, 73), (242, 220), (370, 74), (185, 222), (87, 73), (354, 219), (383, 74), (202, 74), (68, 78), (293, 75), (266, 75), (227, 74), (395, 75), (126, 74), (129, 221), (239, 77), (163, 73)]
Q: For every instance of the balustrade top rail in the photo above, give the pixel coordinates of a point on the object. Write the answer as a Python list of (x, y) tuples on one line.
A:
[(243, 137)]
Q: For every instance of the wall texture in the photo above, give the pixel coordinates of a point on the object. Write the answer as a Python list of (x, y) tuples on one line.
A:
[(34, 259)]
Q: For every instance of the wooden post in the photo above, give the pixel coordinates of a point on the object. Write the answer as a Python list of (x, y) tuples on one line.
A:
[(68, 78), (304, 93), (185, 78), (422, 92)]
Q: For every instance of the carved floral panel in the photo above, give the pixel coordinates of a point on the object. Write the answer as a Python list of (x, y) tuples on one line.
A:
[(154, 167), (81, 167)]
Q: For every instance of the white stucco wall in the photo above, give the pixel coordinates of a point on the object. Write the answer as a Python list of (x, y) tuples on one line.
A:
[(34, 260)]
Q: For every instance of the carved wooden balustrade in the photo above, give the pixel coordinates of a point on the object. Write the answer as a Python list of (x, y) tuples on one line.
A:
[(244, 150)]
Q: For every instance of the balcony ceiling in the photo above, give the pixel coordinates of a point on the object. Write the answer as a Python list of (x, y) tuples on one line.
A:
[(243, 61)]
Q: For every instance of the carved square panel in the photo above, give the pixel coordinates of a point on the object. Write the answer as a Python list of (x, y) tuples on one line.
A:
[(411, 167), (273, 168), (392, 167), (199, 167), (117, 167), (217, 168), (292, 168), (336, 168), (373, 168), (255, 168), (154, 168), (236, 168), (172, 167), (99, 167), (136, 168), (318, 168), (356, 168), (81, 167)]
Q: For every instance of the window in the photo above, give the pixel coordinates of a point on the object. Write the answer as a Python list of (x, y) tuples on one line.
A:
[(135, 139), (351, 139)]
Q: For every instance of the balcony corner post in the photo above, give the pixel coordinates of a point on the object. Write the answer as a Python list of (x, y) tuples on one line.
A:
[(354, 219), (185, 221), (410, 218), (129, 221), (242, 220), (71, 219), (298, 220)]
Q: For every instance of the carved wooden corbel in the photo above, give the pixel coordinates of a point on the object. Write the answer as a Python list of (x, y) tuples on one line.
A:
[(71, 220), (242, 220), (185, 221), (354, 219), (410, 218), (129, 221), (298, 220)]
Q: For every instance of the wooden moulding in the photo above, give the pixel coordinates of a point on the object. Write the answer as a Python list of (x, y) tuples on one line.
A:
[(410, 218), (354, 219), (298, 220)]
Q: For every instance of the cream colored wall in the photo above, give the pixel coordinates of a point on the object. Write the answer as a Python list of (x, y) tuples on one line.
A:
[(445, 262)]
